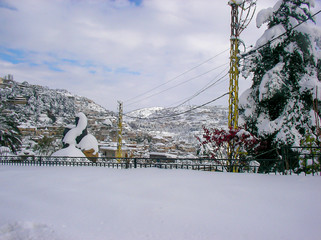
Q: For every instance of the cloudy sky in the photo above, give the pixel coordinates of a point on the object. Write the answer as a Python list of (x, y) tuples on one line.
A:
[(142, 52)]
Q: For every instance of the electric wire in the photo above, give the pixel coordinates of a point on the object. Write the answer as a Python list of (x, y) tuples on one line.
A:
[(177, 114), (179, 84), (178, 76), (205, 88), (244, 55)]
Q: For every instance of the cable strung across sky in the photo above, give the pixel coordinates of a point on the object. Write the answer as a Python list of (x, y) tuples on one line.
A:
[(172, 79), (245, 55), (181, 113), (208, 86), (179, 84)]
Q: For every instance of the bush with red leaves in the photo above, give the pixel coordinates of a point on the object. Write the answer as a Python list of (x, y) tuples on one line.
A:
[(214, 143)]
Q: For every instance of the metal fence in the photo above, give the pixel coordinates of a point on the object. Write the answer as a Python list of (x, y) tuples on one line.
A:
[(301, 160)]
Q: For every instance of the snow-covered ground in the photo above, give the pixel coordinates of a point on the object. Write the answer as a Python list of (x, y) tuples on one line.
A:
[(69, 203)]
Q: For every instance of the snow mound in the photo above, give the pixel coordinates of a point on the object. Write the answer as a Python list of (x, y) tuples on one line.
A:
[(70, 151), (27, 230), (70, 139), (88, 142)]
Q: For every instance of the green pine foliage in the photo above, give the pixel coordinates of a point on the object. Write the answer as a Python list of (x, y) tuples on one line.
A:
[(278, 108)]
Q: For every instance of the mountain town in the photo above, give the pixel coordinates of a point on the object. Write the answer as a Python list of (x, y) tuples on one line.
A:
[(217, 132), (43, 113)]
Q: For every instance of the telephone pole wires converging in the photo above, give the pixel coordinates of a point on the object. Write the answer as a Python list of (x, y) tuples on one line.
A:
[(242, 13)]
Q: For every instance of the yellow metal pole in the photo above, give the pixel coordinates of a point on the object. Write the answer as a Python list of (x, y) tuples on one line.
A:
[(234, 78), (119, 153), (234, 86)]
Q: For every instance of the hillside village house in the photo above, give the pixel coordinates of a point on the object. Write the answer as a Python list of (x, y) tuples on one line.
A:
[(6, 81), (110, 149), (18, 100)]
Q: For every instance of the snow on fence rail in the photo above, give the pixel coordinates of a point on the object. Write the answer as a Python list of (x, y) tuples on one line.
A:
[(280, 166)]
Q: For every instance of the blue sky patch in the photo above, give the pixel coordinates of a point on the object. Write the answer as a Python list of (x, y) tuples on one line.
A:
[(107, 69), (6, 5), (71, 61), (125, 70), (53, 66), (14, 56), (137, 2)]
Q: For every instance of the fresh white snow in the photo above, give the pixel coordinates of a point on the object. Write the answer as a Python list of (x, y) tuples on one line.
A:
[(270, 34), (88, 142), (74, 203), (265, 15), (76, 131), (70, 151)]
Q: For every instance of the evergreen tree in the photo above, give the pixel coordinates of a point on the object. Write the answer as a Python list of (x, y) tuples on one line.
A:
[(278, 108), (9, 132), (45, 146)]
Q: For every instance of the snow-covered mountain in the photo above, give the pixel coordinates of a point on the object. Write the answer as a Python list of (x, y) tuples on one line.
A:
[(38, 106), (175, 127), (157, 129)]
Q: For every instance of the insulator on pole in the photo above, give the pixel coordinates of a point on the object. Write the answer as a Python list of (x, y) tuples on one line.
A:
[(234, 70), (240, 8)]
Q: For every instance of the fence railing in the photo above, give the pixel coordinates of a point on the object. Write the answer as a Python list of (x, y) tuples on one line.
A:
[(167, 163), (302, 159), (280, 166)]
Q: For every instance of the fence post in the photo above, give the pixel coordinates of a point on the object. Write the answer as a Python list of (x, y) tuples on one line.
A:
[(135, 162)]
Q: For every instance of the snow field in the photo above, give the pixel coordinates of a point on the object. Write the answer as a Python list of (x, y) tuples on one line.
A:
[(67, 203)]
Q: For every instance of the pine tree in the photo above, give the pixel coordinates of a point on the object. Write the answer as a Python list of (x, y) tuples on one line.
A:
[(278, 107)]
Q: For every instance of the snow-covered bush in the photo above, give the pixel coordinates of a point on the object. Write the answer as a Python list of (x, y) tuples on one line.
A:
[(214, 143)]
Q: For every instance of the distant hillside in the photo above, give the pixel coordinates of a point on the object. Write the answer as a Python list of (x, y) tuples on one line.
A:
[(157, 129), (34, 105), (183, 123)]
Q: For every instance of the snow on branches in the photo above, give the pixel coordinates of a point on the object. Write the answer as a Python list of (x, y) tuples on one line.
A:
[(214, 142)]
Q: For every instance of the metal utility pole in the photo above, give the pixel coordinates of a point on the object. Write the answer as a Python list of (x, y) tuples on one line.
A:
[(242, 13), (234, 69), (119, 153)]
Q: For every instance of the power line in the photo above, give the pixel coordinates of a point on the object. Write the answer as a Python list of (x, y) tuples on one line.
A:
[(178, 76), (281, 35), (207, 86), (177, 114), (179, 84)]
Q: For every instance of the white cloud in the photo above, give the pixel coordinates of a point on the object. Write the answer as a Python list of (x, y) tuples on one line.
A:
[(115, 50)]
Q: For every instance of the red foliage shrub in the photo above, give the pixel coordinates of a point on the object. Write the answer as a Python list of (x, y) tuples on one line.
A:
[(214, 142)]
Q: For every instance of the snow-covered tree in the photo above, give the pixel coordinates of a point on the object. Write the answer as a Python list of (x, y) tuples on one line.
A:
[(9, 132), (285, 72)]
